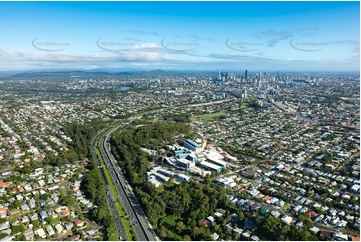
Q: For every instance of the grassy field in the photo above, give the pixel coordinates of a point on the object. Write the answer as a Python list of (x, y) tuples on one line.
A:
[(207, 117), (128, 229), (130, 233)]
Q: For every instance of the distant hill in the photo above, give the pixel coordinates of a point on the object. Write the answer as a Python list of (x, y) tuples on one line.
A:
[(60, 75), (39, 75)]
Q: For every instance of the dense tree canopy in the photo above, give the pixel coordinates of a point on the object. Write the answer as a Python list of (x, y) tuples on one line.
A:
[(92, 184), (175, 211)]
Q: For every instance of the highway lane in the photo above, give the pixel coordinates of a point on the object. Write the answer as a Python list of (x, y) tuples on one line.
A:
[(109, 198), (121, 197), (134, 210), (139, 221)]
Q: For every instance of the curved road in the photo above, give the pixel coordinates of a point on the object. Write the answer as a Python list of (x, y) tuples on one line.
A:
[(139, 221), (110, 199)]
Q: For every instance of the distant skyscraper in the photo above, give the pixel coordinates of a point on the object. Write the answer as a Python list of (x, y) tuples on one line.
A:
[(219, 75), (245, 75)]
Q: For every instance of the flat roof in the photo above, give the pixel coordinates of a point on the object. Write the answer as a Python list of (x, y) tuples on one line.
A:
[(183, 175), (192, 143), (161, 176), (210, 165), (182, 160), (154, 180), (215, 160), (165, 171)]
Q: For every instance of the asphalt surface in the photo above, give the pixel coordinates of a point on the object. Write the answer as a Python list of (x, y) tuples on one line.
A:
[(110, 199), (139, 221), (136, 215)]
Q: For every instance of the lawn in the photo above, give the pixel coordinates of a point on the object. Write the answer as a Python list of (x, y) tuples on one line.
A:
[(128, 229), (208, 117)]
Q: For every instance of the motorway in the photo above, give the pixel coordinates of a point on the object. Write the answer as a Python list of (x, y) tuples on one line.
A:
[(140, 223), (110, 199)]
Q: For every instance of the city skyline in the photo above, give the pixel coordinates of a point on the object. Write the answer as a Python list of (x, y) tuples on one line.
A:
[(285, 36)]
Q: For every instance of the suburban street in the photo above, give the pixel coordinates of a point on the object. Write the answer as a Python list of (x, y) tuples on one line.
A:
[(129, 201), (8, 157)]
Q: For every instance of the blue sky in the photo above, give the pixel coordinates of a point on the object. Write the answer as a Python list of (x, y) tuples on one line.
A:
[(289, 36)]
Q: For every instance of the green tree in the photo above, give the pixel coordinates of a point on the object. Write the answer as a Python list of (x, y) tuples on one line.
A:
[(66, 200), (180, 227), (17, 204), (35, 223), (300, 234), (3, 235), (269, 226), (162, 231), (305, 219), (17, 229), (241, 216), (44, 196), (186, 238), (236, 236), (283, 233)]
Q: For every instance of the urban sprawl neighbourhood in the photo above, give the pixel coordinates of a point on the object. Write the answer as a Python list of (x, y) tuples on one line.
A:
[(104, 156)]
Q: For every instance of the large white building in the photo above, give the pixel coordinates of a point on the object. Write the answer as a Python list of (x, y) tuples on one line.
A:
[(210, 166), (193, 146), (185, 163)]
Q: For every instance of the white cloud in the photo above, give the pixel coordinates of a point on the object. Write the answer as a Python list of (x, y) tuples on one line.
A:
[(150, 54)]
